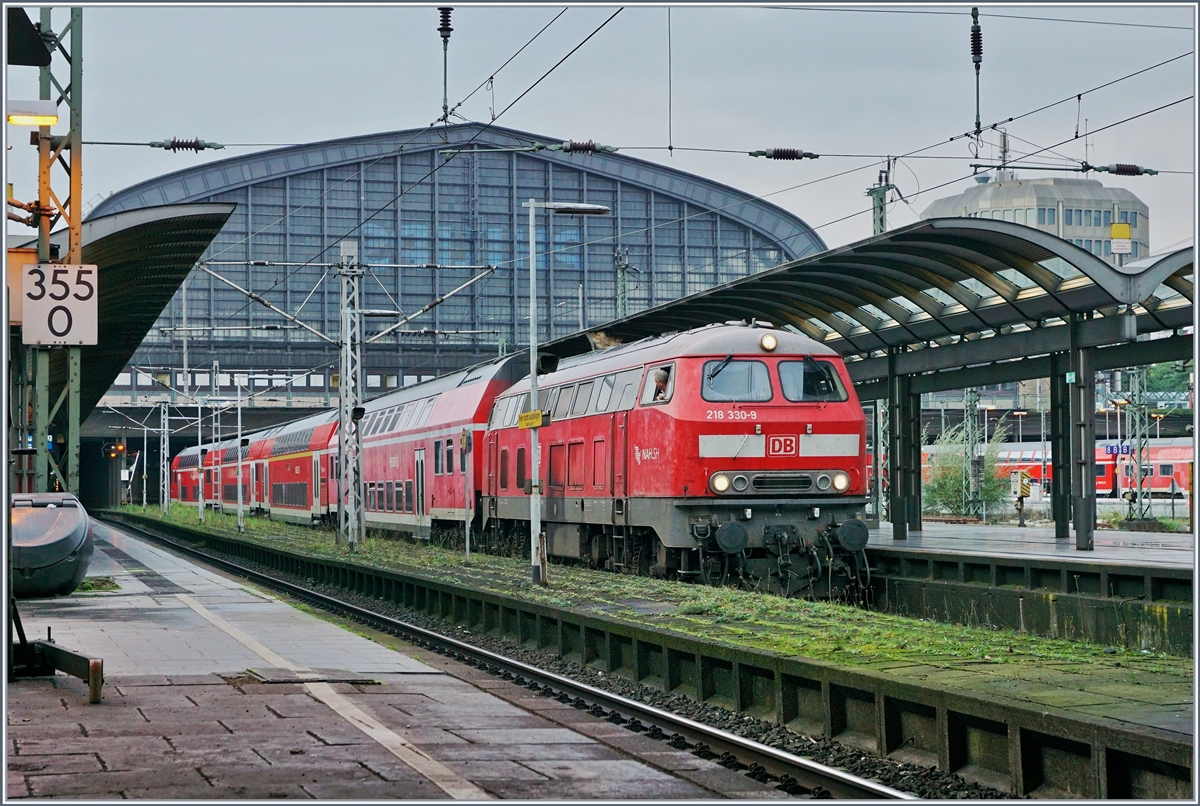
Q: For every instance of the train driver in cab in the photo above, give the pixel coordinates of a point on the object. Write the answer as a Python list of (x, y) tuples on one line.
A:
[(661, 377)]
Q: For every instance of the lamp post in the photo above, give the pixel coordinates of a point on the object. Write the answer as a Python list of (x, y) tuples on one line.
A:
[(983, 481), (535, 496), (1020, 415), (1158, 418)]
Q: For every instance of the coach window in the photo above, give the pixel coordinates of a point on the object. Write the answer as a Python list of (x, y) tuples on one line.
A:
[(1166, 470), (437, 457), (391, 496), (425, 412), (449, 457), (582, 398), (1101, 471), (521, 477), (504, 469), (810, 380), (659, 386), (563, 407), (408, 496), (371, 496)]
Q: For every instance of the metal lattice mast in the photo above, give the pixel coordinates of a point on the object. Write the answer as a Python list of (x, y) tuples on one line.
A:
[(882, 446), (350, 511), (1138, 422), (621, 264), (164, 459), (973, 452)]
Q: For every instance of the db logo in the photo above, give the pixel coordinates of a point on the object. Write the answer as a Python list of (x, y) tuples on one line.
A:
[(782, 445)]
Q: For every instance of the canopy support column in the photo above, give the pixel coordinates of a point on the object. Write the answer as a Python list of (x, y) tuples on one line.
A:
[(1060, 446), (899, 458), (1083, 439)]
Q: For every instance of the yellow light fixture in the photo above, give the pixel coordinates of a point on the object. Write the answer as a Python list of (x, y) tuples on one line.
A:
[(31, 113)]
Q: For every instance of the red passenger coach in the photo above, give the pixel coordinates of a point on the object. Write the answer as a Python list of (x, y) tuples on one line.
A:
[(725, 453)]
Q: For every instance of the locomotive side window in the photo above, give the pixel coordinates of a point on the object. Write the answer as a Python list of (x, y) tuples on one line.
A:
[(582, 398), (604, 394), (504, 469), (521, 477), (659, 386), (563, 407), (810, 380), (735, 381), (627, 385)]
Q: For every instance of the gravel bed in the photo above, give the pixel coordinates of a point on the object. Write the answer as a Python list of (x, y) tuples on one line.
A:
[(925, 782)]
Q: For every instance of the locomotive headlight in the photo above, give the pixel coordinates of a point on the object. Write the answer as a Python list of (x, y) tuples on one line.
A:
[(719, 483), (740, 483), (768, 342), (823, 482), (841, 482)]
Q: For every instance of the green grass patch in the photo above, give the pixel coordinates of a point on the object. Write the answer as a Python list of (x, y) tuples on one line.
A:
[(92, 584), (814, 629)]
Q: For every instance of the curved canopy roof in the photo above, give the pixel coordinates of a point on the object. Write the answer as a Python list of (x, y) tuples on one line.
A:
[(142, 257), (933, 283)]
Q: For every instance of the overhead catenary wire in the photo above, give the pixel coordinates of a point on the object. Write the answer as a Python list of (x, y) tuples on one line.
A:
[(1000, 16), (431, 172)]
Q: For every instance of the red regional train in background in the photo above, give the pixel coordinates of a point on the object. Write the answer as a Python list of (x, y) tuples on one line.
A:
[(728, 453), (1165, 468)]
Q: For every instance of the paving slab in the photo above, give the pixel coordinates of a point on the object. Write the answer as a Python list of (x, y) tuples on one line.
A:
[(183, 718)]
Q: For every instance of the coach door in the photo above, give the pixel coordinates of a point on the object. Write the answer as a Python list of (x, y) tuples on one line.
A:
[(316, 485), (419, 481), (493, 467)]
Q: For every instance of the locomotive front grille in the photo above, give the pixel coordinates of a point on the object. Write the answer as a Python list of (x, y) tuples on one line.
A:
[(782, 482)]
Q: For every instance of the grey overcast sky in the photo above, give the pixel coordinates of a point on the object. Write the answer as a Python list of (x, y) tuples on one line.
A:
[(833, 81)]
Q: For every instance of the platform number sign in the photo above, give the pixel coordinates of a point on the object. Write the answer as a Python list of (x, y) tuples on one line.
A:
[(59, 304)]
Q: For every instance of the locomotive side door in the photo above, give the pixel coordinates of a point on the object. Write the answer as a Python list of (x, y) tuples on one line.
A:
[(619, 455)]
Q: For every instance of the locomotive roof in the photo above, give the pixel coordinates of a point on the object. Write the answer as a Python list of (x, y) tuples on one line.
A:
[(736, 338)]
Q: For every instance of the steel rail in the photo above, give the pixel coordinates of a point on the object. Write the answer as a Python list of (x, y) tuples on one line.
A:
[(729, 750)]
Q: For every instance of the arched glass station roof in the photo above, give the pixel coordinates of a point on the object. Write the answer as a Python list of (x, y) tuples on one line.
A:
[(684, 233), (934, 285)]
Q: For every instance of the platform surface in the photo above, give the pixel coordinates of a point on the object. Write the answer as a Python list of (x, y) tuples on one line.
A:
[(1112, 547), (213, 691)]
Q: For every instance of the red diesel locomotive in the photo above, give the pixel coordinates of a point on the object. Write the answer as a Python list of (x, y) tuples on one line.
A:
[(729, 453)]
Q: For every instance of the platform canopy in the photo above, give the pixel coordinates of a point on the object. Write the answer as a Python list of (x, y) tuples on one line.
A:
[(143, 256), (938, 284)]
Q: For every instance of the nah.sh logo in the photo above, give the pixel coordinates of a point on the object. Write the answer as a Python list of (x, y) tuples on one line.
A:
[(782, 445)]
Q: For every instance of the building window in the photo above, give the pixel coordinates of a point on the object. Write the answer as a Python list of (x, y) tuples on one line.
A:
[(1087, 244), (1029, 214), (1041, 216), (1108, 248), (1067, 218), (1050, 214), (1133, 218), (1134, 246), (1108, 218), (1124, 217), (1078, 217), (1087, 218)]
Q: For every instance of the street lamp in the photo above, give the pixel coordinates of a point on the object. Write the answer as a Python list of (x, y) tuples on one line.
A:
[(1020, 415), (1158, 418), (983, 498), (535, 496)]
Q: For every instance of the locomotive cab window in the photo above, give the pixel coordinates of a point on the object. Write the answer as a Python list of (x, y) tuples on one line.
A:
[(735, 381), (811, 381), (582, 398), (604, 393), (659, 386)]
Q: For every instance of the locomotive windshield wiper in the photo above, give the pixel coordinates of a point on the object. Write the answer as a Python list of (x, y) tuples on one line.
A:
[(717, 369), (822, 370)]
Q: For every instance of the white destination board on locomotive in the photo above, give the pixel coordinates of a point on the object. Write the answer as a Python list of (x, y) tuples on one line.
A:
[(59, 304)]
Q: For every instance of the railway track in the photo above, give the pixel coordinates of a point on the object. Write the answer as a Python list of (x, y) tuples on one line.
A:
[(791, 773)]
